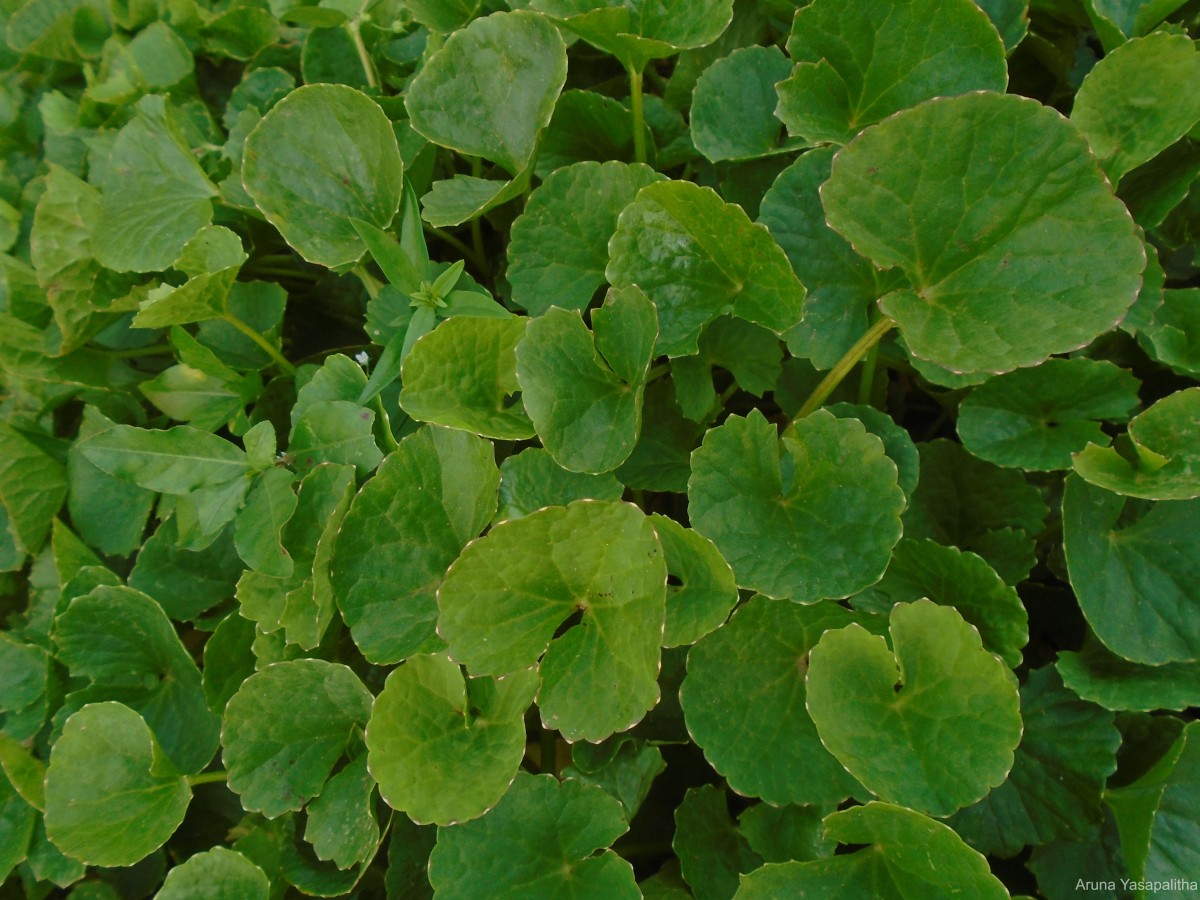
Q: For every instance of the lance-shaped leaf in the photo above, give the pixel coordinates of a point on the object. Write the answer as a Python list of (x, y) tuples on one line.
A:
[(858, 62), (122, 641), (1099, 675), (1138, 100), (931, 723), (1054, 789), (33, 486), (1162, 454), (1133, 567), (584, 392), (341, 825), (733, 106), (559, 245), (111, 795), (405, 527), (1022, 253), (463, 374), (743, 701), (697, 258), (706, 589), (531, 479), (541, 839), (445, 748), (491, 88), (1034, 419), (811, 518), (215, 873), (510, 592), (322, 155), (176, 461), (286, 727), (895, 866)]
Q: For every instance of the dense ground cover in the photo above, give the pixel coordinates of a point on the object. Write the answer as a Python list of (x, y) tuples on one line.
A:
[(599, 448)]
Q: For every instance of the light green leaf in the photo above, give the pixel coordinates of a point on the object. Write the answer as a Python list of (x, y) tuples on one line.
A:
[(178, 460), (532, 479), (334, 431), (733, 106), (155, 194), (697, 258), (463, 374), (1034, 419), (286, 727), (341, 826), (859, 62), (895, 866), (453, 201), (204, 401), (712, 852), (122, 642), (491, 88), (706, 591), (111, 796), (445, 748), (1161, 458), (218, 874), (202, 515), (258, 528), (931, 723), (811, 519), (559, 245), (508, 594), (1098, 675), (322, 155), (540, 840), (228, 660), (743, 701), (430, 497), (1134, 571), (1002, 245), (33, 486)]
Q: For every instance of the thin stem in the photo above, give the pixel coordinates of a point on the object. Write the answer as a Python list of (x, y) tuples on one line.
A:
[(867, 376), (385, 426), (369, 281), (477, 226), (548, 752), (282, 272), (843, 366), (363, 56), (657, 372), (635, 109), (267, 346), (207, 777), (464, 249)]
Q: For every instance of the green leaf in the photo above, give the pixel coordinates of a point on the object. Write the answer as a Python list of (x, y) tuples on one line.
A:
[(786, 833), (324, 154), (1173, 330), (743, 700), (446, 16), (17, 821), (1116, 20), (1138, 100), (1001, 246), (216, 873), (584, 393), (531, 479), (178, 460), (661, 459), (111, 796), (586, 126), (186, 583), (1034, 419), (628, 774), (259, 526), (516, 56), (286, 727), (406, 526), (155, 194), (341, 822), (1163, 462), (859, 62), (24, 671), (334, 431), (124, 644), (719, 262), (540, 840), (1134, 572), (211, 259), (33, 486), (1098, 675), (733, 106), (933, 726), (445, 748), (559, 245), (712, 852), (453, 201), (506, 597), (706, 591), (895, 865), (463, 374), (813, 518), (1055, 786), (1011, 18), (228, 660)]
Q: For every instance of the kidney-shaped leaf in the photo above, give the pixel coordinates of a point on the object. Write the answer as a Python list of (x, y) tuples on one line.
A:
[(995, 209), (509, 592), (219, 873), (445, 748), (931, 723), (324, 154)]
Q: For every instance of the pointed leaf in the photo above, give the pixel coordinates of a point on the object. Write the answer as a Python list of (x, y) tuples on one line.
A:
[(178, 460), (33, 486)]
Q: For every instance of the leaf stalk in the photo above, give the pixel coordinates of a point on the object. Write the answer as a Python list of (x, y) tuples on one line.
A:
[(844, 365)]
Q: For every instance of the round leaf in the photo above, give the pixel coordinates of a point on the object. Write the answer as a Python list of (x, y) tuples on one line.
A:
[(706, 589), (286, 727), (445, 748), (218, 874), (933, 726), (743, 701), (897, 442), (111, 796), (815, 518), (324, 154), (733, 105), (1022, 253), (532, 479), (504, 599)]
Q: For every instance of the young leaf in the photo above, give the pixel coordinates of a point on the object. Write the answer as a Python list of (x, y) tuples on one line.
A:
[(259, 526), (335, 431), (931, 723)]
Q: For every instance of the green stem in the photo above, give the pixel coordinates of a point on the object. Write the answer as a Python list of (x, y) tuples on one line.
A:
[(282, 272), (385, 426), (363, 56), (548, 752), (657, 372), (369, 281), (267, 346), (635, 109), (477, 226), (843, 366), (867, 376), (207, 777), (463, 248)]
